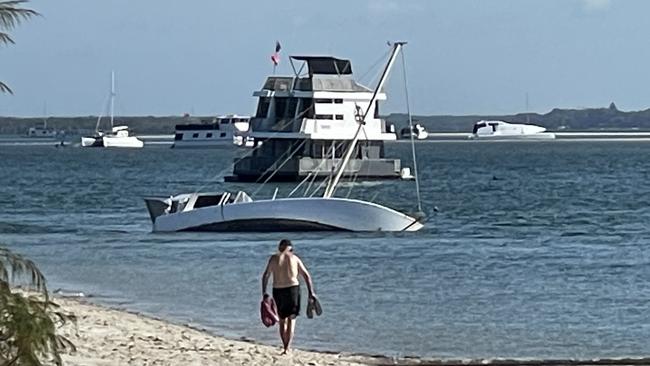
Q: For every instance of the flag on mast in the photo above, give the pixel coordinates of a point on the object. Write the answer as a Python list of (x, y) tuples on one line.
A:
[(275, 57)]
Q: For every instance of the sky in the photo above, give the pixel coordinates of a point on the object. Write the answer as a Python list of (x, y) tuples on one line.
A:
[(206, 57)]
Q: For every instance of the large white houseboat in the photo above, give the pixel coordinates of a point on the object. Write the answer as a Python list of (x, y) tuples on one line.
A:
[(305, 122), (221, 132)]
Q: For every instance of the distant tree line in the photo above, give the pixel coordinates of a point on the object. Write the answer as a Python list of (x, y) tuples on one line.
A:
[(556, 120)]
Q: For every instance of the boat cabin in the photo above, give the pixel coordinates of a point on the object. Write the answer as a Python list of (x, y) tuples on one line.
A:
[(305, 122)]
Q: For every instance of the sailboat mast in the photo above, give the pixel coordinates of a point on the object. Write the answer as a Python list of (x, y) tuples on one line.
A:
[(112, 97), (331, 186), (45, 115), (527, 114)]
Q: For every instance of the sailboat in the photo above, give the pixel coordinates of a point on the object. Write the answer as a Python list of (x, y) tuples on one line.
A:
[(228, 211), (118, 136)]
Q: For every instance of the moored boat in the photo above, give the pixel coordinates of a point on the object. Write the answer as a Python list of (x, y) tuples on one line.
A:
[(500, 130), (117, 136), (222, 132), (239, 212)]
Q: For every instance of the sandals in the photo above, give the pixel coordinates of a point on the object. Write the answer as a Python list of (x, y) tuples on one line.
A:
[(313, 305)]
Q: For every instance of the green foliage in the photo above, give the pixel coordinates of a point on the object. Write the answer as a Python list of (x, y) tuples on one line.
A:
[(11, 14), (28, 319)]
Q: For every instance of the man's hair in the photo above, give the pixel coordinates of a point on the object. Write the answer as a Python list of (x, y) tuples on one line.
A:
[(284, 243)]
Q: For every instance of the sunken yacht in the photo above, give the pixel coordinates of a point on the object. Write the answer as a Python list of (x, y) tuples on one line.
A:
[(304, 123)]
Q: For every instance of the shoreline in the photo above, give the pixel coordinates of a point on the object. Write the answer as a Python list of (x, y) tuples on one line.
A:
[(109, 336)]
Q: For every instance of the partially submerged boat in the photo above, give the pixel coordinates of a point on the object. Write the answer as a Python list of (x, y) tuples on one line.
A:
[(226, 211), (117, 136), (500, 130)]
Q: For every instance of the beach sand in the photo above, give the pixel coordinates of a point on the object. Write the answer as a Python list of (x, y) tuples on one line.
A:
[(106, 336)]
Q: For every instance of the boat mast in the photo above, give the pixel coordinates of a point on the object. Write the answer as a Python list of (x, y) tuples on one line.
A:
[(45, 115), (331, 186), (527, 114), (112, 97)]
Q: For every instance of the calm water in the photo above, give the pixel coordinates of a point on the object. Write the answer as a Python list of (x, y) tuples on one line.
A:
[(538, 249)]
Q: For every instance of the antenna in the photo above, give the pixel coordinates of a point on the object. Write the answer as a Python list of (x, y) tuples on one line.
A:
[(527, 113), (112, 97), (45, 114)]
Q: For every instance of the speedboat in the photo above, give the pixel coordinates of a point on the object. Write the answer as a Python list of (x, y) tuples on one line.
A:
[(500, 130), (226, 211)]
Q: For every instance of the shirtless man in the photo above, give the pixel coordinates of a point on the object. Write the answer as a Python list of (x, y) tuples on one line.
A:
[(285, 268)]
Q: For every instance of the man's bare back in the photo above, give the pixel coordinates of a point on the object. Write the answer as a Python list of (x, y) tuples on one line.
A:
[(285, 268)]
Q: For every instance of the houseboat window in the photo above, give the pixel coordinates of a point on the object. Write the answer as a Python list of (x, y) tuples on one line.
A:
[(223, 134), (323, 101), (178, 137), (306, 108), (280, 107), (376, 109), (208, 135), (338, 101), (290, 112), (324, 116), (339, 149), (195, 135), (317, 149), (225, 121), (263, 107), (339, 117)]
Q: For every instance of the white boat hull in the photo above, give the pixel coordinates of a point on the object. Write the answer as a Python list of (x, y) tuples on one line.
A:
[(501, 137), (123, 141), (287, 214), (91, 142), (112, 141)]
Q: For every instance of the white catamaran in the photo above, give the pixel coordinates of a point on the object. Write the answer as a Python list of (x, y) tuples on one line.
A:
[(239, 212), (118, 136)]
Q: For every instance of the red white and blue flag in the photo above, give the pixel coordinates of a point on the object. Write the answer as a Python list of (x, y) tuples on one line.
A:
[(275, 57)]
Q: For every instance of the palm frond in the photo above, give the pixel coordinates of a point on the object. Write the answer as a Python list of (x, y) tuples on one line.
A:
[(14, 267), (4, 88), (12, 14), (6, 38), (29, 321)]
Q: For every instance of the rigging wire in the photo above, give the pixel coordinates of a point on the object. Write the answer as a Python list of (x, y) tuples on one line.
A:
[(374, 66), (280, 167), (408, 111), (250, 152), (221, 174), (311, 175)]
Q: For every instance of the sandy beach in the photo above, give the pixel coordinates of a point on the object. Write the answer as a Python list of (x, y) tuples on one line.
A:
[(106, 336)]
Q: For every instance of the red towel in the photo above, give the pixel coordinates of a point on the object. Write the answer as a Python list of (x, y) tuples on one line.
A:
[(268, 311)]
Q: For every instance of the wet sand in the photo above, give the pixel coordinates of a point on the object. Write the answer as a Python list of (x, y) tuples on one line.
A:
[(105, 336)]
